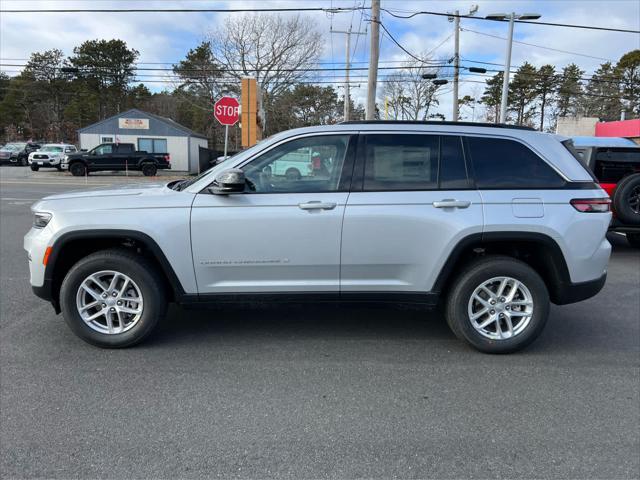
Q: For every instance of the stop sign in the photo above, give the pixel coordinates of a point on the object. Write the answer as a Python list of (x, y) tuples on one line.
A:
[(227, 111)]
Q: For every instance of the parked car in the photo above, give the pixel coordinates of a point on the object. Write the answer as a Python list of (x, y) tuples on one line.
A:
[(615, 163), (17, 153), (493, 222), (50, 155), (115, 157)]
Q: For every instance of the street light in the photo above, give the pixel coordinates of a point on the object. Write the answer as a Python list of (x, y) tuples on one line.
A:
[(505, 80)]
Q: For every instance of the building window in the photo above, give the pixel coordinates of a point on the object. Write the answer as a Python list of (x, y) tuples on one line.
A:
[(106, 139), (153, 145)]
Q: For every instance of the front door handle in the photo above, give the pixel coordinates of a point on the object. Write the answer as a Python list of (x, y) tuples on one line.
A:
[(317, 205), (450, 203)]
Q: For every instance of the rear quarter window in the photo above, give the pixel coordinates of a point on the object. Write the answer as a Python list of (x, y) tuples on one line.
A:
[(507, 164)]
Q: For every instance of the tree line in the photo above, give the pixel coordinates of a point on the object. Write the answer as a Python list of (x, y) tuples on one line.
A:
[(538, 96), (54, 95)]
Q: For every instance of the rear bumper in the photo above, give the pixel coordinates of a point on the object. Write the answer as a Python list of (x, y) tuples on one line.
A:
[(576, 292)]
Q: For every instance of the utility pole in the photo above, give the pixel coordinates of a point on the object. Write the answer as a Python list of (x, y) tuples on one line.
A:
[(347, 96), (456, 59), (456, 65), (507, 70), (374, 55), (512, 17)]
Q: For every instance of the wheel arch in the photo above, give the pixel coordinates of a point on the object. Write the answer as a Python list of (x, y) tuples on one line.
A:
[(72, 246), (539, 251)]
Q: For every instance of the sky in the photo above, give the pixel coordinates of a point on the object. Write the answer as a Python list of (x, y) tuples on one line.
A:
[(167, 37)]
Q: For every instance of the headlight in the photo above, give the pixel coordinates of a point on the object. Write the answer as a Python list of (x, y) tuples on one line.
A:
[(41, 219)]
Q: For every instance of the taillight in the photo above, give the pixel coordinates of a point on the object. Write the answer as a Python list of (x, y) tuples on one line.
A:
[(592, 205), (167, 158)]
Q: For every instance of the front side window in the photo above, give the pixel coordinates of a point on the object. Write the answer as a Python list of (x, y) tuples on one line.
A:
[(309, 164), (506, 164), (103, 150), (401, 162)]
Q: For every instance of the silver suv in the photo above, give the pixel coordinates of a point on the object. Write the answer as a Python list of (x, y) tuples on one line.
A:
[(494, 222)]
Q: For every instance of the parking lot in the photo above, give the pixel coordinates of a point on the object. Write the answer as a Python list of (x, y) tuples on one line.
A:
[(311, 391)]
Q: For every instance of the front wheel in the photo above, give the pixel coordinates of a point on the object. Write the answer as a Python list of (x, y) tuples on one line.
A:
[(498, 305), (113, 298), (35, 167), (78, 169), (23, 162)]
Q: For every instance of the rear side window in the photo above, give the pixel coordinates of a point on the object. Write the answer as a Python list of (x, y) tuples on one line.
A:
[(125, 148), (507, 164), (401, 162)]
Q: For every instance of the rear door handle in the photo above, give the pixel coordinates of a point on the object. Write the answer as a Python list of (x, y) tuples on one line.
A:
[(450, 203), (317, 205)]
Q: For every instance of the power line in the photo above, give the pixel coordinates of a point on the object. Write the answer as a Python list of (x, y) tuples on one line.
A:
[(182, 10), (567, 25), (537, 46)]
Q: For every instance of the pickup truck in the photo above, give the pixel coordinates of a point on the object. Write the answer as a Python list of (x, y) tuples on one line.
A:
[(115, 157)]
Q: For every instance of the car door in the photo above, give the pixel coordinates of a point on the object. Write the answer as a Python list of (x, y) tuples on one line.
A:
[(414, 203), (99, 157), (283, 233)]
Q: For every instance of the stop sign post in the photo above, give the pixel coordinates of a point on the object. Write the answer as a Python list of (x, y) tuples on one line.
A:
[(227, 112)]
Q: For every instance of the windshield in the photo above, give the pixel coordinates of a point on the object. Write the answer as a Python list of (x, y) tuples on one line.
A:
[(51, 148), (14, 146)]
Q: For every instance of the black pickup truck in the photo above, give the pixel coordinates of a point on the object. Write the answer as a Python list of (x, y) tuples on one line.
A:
[(115, 157)]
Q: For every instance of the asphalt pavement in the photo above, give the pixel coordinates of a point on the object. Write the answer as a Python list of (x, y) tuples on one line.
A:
[(311, 391)]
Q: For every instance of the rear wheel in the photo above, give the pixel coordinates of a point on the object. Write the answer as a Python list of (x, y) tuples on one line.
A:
[(626, 199), (498, 305), (78, 169), (293, 174), (23, 162), (112, 298), (149, 169)]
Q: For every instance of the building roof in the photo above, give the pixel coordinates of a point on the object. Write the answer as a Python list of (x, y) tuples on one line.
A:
[(172, 124)]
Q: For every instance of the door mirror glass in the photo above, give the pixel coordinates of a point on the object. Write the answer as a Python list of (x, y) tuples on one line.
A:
[(228, 181)]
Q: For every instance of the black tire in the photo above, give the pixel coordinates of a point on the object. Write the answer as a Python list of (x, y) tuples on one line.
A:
[(78, 169), (149, 169), (471, 278), (293, 174), (141, 271), (23, 162), (634, 239), (626, 199), (35, 167), (59, 168)]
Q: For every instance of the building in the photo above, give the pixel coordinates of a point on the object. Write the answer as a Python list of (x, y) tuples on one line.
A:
[(149, 132), (591, 126), (624, 128), (582, 126)]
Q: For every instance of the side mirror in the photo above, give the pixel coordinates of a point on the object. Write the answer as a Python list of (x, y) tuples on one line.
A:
[(228, 181), (83, 149)]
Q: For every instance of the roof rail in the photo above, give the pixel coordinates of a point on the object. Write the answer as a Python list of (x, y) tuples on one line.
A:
[(436, 122)]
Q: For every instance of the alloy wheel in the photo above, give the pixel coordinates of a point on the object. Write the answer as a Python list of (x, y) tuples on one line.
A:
[(109, 302), (500, 308)]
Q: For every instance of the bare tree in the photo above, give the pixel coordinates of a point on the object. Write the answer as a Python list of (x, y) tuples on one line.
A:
[(408, 95), (277, 50)]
